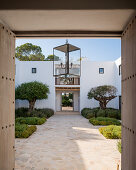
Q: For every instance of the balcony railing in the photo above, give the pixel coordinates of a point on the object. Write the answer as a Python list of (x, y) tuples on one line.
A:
[(69, 81)]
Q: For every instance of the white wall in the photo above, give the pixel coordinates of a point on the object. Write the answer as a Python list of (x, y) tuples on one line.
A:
[(90, 78), (58, 100), (76, 101), (44, 75)]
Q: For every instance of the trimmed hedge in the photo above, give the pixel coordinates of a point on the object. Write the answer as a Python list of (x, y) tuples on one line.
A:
[(24, 112), (43, 113), (104, 121), (30, 120), (21, 112), (111, 132), (23, 130), (97, 112), (119, 146), (109, 112), (87, 113)]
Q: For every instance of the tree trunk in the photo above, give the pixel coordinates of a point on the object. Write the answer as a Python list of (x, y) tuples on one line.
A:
[(103, 104), (31, 105)]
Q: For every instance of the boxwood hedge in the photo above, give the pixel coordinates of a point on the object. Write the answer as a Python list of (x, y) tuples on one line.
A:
[(30, 120), (97, 112), (111, 132), (23, 130), (104, 121), (24, 112)]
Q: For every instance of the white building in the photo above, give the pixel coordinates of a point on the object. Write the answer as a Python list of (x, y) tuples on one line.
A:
[(92, 74)]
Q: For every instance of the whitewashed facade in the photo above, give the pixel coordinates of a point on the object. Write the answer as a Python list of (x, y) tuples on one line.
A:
[(90, 77)]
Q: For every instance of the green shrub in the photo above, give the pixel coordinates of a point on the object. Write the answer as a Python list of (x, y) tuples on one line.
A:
[(111, 132), (101, 113), (119, 146), (113, 113), (21, 112), (30, 120), (104, 121), (109, 112), (87, 113), (45, 112), (90, 115), (23, 130), (95, 110), (24, 112)]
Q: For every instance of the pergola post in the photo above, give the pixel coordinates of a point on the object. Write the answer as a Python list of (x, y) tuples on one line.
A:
[(129, 96), (7, 98)]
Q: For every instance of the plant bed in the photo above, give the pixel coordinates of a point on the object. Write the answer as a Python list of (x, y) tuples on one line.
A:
[(43, 113), (111, 132), (47, 113), (109, 112), (97, 112), (87, 113), (104, 121), (23, 130), (30, 120)]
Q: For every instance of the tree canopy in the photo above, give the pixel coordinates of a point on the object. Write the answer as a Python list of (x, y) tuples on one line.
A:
[(52, 57), (32, 91), (103, 94), (29, 52)]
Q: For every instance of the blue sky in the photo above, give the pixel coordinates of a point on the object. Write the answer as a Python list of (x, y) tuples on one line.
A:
[(94, 49)]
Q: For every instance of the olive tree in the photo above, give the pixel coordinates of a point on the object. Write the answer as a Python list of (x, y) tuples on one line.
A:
[(32, 91), (103, 94)]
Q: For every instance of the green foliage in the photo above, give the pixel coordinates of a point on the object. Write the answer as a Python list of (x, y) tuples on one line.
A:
[(29, 52), (23, 130), (111, 132), (103, 94), (32, 91), (113, 113), (52, 57), (109, 112), (21, 112), (30, 120), (101, 113), (119, 146), (66, 99), (97, 112), (104, 121), (87, 113), (43, 113)]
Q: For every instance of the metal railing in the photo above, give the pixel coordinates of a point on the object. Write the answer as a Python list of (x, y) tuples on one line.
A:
[(67, 81)]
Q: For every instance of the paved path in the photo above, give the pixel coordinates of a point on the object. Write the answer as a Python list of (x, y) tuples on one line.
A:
[(66, 142)]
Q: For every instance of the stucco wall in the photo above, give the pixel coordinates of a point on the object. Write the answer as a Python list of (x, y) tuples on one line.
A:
[(44, 75), (90, 78)]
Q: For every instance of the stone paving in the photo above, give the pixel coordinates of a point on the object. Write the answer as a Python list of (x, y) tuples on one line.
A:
[(66, 142)]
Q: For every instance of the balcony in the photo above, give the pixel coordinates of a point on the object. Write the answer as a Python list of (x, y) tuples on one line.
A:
[(69, 81)]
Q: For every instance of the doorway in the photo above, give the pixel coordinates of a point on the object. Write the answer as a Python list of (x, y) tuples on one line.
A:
[(67, 102)]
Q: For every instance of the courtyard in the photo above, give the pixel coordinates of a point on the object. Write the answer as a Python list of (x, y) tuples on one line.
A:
[(66, 142)]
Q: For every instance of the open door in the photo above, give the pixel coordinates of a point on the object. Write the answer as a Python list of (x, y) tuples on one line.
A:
[(67, 102)]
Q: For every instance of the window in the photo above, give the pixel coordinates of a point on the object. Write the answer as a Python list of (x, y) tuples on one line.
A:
[(33, 70), (119, 69), (101, 70)]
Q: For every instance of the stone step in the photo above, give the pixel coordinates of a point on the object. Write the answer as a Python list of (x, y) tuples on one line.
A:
[(67, 113)]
